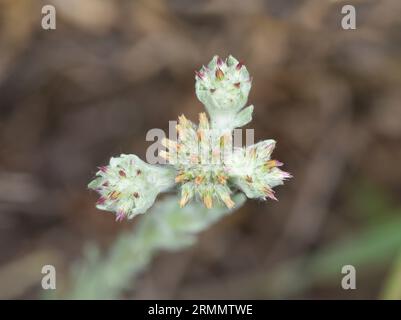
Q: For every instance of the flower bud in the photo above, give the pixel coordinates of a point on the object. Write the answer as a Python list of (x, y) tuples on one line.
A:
[(129, 186), (254, 173), (223, 87)]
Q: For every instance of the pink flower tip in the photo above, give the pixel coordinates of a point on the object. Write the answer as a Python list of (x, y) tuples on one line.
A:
[(101, 201), (239, 65), (120, 216), (200, 74), (103, 168)]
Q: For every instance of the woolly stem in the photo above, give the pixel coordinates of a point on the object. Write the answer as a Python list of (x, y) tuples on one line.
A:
[(166, 226)]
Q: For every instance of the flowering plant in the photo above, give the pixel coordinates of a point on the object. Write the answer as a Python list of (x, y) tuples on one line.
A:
[(202, 163)]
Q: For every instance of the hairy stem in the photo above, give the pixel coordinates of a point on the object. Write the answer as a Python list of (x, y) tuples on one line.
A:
[(165, 227)]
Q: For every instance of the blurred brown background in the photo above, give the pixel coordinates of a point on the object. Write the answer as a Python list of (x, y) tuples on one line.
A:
[(72, 97)]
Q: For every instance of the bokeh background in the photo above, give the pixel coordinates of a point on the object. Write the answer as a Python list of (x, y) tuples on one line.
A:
[(72, 97)]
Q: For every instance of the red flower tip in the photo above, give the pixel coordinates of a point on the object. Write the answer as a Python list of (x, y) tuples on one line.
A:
[(270, 193), (120, 216), (200, 74), (103, 168), (101, 201)]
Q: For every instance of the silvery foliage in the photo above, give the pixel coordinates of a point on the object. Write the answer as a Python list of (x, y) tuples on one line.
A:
[(202, 163)]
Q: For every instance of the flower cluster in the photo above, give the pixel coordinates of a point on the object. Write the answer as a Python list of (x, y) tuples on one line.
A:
[(223, 87), (129, 186), (202, 163), (209, 169), (254, 172), (198, 157)]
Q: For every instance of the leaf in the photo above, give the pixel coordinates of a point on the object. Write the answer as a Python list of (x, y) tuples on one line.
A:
[(243, 117)]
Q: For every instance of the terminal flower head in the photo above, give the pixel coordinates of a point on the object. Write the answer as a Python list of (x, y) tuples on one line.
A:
[(128, 186)]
